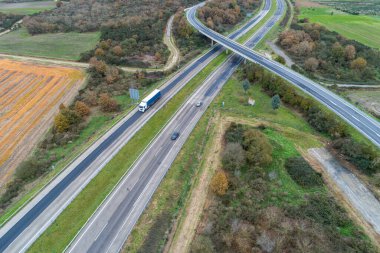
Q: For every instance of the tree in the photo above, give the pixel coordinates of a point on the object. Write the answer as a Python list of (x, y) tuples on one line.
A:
[(219, 183), (311, 64), (276, 102), (107, 104), (337, 50), (246, 85), (118, 50), (61, 123), (233, 157), (350, 52), (359, 63), (258, 149), (58, 3), (99, 52), (82, 109)]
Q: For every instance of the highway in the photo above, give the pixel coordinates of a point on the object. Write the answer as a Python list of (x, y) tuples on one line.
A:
[(32, 219), (352, 115), (110, 225)]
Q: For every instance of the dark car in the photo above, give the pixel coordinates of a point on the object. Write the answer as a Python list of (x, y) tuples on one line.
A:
[(175, 135)]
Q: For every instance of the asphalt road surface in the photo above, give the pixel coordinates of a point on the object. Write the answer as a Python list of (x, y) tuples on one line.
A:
[(355, 117), (110, 225), (31, 221)]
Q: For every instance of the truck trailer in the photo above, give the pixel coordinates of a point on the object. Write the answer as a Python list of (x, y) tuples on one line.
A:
[(149, 100)]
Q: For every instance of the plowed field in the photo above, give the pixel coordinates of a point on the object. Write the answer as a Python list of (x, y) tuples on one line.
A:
[(29, 98)]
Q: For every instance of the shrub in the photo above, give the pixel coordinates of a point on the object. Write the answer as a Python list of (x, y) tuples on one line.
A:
[(302, 173), (234, 133), (233, 157), (259, 150), (107, 104), (82, 109), (219, 183)]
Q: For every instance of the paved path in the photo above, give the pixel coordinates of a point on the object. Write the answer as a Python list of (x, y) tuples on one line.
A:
[(288, 61), (353, 189)]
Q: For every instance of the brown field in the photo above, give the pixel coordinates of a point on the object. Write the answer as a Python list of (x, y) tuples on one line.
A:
[(29, 98)]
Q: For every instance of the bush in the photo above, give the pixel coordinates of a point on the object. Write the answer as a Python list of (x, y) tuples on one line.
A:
[(361, 155), (234, 133), (233, 157), (219, 183), (107, 104), (259, 150), (302, 173)]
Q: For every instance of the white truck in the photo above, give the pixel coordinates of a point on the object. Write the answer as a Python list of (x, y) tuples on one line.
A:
[(149, 100)]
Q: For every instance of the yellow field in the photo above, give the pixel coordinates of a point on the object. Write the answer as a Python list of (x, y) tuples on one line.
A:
[(29, 98)]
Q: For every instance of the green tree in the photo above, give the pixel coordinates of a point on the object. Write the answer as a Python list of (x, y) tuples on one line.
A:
[(246, 85), (259, 150), (276, 102)]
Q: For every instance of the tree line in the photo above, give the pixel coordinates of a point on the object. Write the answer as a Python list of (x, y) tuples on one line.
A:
[(326, 54), (364, 157)]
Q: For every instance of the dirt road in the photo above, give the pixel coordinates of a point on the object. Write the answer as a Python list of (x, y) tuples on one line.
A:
[(352, 188)]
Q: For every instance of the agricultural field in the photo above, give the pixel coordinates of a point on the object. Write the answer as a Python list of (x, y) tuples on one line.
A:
[(67, 46), (362, 28), (368, 7), (26, 8), (29, 98)]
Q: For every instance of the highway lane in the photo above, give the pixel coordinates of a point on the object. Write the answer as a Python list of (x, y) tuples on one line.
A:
[(25, 227), (111, 224), (352, 115)]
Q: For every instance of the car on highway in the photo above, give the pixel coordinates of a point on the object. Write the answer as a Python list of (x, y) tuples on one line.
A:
[(199, 104), (174, 136)]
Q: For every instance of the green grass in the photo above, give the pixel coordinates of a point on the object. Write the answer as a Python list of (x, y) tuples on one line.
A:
[(76, 214), (26, 8), (67, 46), (365, 29), (24, 11)]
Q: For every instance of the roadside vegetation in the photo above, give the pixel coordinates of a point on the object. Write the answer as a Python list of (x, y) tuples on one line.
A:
[(269, 204), (364, 156), (326, 55)]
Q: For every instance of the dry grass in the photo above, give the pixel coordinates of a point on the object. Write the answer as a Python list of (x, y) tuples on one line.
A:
[(29, 97)]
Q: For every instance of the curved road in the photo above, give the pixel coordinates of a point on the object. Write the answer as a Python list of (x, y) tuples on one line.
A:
[(32, 220), (352, 115)]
